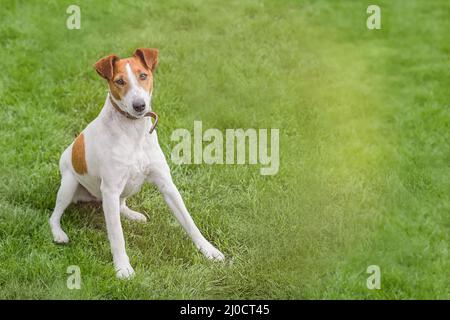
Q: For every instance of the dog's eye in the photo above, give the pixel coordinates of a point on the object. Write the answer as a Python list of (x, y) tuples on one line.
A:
[(143, 76), (120, 82)]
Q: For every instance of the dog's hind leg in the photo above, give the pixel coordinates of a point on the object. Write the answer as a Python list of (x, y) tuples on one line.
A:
[(130, 214), (69, 185)]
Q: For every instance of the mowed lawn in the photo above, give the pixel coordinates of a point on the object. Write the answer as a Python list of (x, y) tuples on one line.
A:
[(364, 148)]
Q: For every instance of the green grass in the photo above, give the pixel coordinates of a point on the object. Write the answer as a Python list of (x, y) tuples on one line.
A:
[(364, 130)]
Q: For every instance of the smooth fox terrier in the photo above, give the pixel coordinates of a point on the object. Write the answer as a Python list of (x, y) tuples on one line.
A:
[(115, 154)]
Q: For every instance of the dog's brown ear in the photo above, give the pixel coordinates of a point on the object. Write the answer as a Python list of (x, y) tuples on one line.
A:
[(148, 56), (105, 66)]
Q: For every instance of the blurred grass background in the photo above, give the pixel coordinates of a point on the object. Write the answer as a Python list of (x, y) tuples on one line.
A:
[(364, 130)]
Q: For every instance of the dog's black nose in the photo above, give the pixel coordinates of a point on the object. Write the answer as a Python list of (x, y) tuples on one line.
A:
[(139, 105)]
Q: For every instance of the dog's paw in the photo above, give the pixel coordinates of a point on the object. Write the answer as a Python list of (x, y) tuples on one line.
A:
[(134, 215), (124, 271), (210, 252), (59, 236)]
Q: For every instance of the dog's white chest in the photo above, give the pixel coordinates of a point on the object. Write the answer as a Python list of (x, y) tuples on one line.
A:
[(137, 173)]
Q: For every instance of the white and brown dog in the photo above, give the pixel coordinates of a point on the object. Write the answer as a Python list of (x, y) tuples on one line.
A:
[(116, 154)]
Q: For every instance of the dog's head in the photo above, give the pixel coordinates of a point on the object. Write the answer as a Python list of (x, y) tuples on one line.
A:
[(130, 79)]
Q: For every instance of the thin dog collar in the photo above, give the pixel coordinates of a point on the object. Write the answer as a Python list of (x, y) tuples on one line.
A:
[(129, 116)]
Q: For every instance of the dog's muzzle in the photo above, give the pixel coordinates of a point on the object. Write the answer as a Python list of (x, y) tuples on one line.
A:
[(129, 116)]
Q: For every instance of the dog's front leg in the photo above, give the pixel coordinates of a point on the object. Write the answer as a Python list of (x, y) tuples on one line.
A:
[(163, 181), (111, 208)]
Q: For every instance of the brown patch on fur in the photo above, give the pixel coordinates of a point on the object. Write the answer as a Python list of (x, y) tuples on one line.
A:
[(120, 72), (79, 155), (138, 67)]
